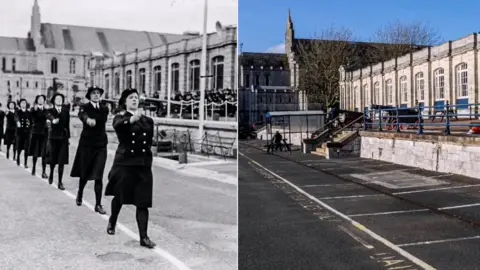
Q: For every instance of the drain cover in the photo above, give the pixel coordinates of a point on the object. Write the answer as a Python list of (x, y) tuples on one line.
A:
[(399, 180)]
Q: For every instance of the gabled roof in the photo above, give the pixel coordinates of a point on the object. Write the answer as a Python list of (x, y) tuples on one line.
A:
[(16, 44), (88, 39), (264, 59)]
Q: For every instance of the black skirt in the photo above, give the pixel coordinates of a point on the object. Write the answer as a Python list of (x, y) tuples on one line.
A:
[(131, 185), (37, 145), (89, 162), (22, 141), (57, 152), (9, 137)]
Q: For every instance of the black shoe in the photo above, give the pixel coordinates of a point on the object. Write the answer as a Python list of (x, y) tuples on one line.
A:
[(110, 228), (60, 186), (50, 179), (146, 242), (78, 200), (26, 166), (44, 176), (18, 162), (33, 170), (99, 209)]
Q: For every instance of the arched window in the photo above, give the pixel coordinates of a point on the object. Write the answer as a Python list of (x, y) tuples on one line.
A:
[(403, 90), (4, 63), (376, 93), (267, 79), (439, 84), (175, 77), (141, 80), (107, 83), (389, 91), (257, 79), (54, 66), (194, 75), (461, 80), (356, 92), (366, 95), (246, 83), (117, 83), (218, 66), (72, 66), (157, 73), (420, 86), (14, 64), (129, 78)]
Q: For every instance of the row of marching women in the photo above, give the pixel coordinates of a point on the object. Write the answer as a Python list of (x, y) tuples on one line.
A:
[(45, 133)]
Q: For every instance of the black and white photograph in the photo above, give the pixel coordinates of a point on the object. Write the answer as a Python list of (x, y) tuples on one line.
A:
[(118, 135)]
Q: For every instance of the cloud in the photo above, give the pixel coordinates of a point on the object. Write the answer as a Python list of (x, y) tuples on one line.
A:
[(277, 49), (167, 16)]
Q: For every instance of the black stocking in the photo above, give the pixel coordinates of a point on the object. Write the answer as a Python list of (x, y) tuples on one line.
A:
[(116, 207), (8, 150), (81, 186), (60, 172), (142, 221), (98, 191)]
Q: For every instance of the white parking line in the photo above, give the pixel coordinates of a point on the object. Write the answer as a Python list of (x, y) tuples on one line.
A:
[(388, 213), (459, 206), (163, 253), (439, 241), (359, 226), (351, 197), (434, 189), (329, 185)]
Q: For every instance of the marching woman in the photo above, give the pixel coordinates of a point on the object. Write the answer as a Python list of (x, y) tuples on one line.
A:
[(91, 156), (2, 121), (130, 179), (10, 128), (24, 120), (38, 134), (58, 136)]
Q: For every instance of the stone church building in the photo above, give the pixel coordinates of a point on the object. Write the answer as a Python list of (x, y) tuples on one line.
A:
[(71, 55)]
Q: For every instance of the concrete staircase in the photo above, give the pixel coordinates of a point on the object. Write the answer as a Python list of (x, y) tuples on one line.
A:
[(322, 150)]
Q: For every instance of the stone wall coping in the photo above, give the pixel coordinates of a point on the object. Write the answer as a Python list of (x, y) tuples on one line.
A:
[(433, 138)]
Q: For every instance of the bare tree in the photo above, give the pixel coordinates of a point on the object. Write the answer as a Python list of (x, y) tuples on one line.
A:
[(319, 60), (399, 38)]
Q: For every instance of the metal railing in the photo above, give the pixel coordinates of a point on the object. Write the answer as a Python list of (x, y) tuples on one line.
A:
[(420, 118)]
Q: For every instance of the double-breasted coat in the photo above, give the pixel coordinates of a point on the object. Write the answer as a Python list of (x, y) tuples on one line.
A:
[(130, 180), (2, 124), (91, 153), (23, 119), (10, 128), (38, 137), (58, 136)]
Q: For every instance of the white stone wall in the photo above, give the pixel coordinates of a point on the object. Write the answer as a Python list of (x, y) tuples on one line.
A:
[(446, 56), (433, 156), (352, 149)]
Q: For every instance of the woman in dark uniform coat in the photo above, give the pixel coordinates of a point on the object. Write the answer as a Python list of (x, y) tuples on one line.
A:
[(91, 156), (10, 128), (58, 136), (24, 120), (38, 135), (2, 122), (130, 180)]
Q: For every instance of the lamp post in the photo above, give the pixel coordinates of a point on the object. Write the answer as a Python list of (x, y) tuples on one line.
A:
[(203, 71)]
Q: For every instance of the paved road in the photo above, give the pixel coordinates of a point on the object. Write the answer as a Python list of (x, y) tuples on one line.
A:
[(194, 219), (401, 211)]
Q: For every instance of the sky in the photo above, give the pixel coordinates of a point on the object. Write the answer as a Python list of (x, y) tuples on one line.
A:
[(262, 23), (164, 16)]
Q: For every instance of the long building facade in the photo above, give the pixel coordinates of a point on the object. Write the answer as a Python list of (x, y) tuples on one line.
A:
[(69, 54), (171, 68), (429, 77)]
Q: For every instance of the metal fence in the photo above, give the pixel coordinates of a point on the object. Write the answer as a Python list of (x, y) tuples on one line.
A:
[(453, 118)]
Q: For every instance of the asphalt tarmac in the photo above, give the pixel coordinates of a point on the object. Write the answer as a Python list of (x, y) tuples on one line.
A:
[(411, 216)]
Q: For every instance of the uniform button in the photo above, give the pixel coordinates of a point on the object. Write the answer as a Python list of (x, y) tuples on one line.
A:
[(144, 134), (143, 150), (144, 142), (133, 134), (126, 122), (133, 141), (132, 150)]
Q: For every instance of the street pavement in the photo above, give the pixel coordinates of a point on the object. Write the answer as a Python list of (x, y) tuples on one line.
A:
[(406, 217), (193, 221)]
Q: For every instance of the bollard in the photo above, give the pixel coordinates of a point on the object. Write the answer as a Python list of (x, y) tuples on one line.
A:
[(182, 153)]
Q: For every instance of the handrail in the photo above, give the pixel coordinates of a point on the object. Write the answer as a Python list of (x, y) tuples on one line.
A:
[(348, 125), (322, 129)]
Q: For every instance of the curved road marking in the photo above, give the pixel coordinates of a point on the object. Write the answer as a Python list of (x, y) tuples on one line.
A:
[(163, 253), (377, 237)]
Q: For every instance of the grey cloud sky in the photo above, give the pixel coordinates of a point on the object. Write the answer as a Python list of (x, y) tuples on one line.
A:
[(167, 16)]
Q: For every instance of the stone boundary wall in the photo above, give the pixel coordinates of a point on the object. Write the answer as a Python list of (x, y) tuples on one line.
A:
[(448, 154)]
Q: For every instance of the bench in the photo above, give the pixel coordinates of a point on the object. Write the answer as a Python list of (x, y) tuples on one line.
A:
[(218, 145)]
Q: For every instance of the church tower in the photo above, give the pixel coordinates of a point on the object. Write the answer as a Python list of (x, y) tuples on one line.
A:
[(289, 34), (35, 24)]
